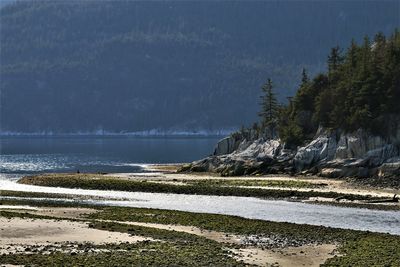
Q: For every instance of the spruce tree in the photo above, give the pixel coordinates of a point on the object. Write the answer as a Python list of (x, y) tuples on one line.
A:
[(334, 60), (304, 77), (360, 91), (269, 105)]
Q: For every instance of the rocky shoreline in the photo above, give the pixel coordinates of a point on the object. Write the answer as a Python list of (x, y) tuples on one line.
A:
[(331, 154)]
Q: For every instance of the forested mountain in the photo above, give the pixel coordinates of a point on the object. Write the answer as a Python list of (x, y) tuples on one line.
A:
[(73, 66)]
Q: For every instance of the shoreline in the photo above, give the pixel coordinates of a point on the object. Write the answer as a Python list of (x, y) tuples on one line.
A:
[(182, 236), (77, 232), (163, 178)]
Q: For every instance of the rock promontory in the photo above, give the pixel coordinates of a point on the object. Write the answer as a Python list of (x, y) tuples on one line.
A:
[(331, 153)]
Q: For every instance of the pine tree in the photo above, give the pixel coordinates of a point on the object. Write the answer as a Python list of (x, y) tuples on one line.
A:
[(334, 60), (269, 105), (304, 77), (351, 57), (391, 73), (366, 57), (360, 91)]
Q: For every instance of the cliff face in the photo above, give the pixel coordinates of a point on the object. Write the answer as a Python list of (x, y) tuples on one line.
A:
[(332, 153), (335, 154)]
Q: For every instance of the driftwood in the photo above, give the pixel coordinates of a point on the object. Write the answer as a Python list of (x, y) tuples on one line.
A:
[(394, 199), (340, 198)]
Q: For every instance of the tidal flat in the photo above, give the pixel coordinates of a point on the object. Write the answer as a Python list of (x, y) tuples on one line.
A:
[(306, 189), (52, 229), (153, 237)]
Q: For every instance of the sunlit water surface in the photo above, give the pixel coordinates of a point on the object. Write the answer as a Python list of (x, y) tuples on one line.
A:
[(27, 155), (20, 157)]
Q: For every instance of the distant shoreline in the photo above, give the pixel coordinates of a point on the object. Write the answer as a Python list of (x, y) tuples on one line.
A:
[(219, 134)]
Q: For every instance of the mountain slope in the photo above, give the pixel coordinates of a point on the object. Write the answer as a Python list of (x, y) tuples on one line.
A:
[(132, 66)]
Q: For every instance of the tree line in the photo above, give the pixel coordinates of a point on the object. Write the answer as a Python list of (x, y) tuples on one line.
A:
[(361, 89)]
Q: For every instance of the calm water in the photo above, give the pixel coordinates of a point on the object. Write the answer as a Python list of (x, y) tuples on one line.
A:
[(21, 155)]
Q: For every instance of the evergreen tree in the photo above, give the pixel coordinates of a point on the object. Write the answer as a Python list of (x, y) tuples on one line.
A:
[(304, 77), (351, 57), (360, 90), (334, 60), (391, 74), (269, 105), (365, 57)]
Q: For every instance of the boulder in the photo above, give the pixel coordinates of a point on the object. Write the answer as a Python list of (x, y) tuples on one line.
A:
[(391, 168), (331, 172)]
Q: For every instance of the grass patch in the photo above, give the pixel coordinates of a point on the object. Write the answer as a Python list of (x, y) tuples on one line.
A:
[(22, 194), (155, 233), (377, 206), (226, 223), (253, 182), (175, 249), (11, 193), (98, 182), (23, 215), (357, 248), (368, 250), (138, 254), (45, 202)]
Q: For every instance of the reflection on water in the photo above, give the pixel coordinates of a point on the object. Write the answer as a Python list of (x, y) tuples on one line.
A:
[(19, 156), (96, 154)]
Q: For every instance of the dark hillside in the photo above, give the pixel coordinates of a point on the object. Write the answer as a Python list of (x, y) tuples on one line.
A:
[(130, 66)]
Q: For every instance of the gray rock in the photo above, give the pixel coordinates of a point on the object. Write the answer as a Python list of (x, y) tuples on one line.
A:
[(322, 148), (391, 168), (363, 145), (236, 141), (225, 146), (331, 172), (330, 154)]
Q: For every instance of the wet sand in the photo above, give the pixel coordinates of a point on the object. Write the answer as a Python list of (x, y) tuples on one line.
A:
[(19, 235), (18, 232)]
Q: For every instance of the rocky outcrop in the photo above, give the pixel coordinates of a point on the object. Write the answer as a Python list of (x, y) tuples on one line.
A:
[(237, 141), (322, 148), (331, 153), (251, 157), (227, 145), (335, 154)]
